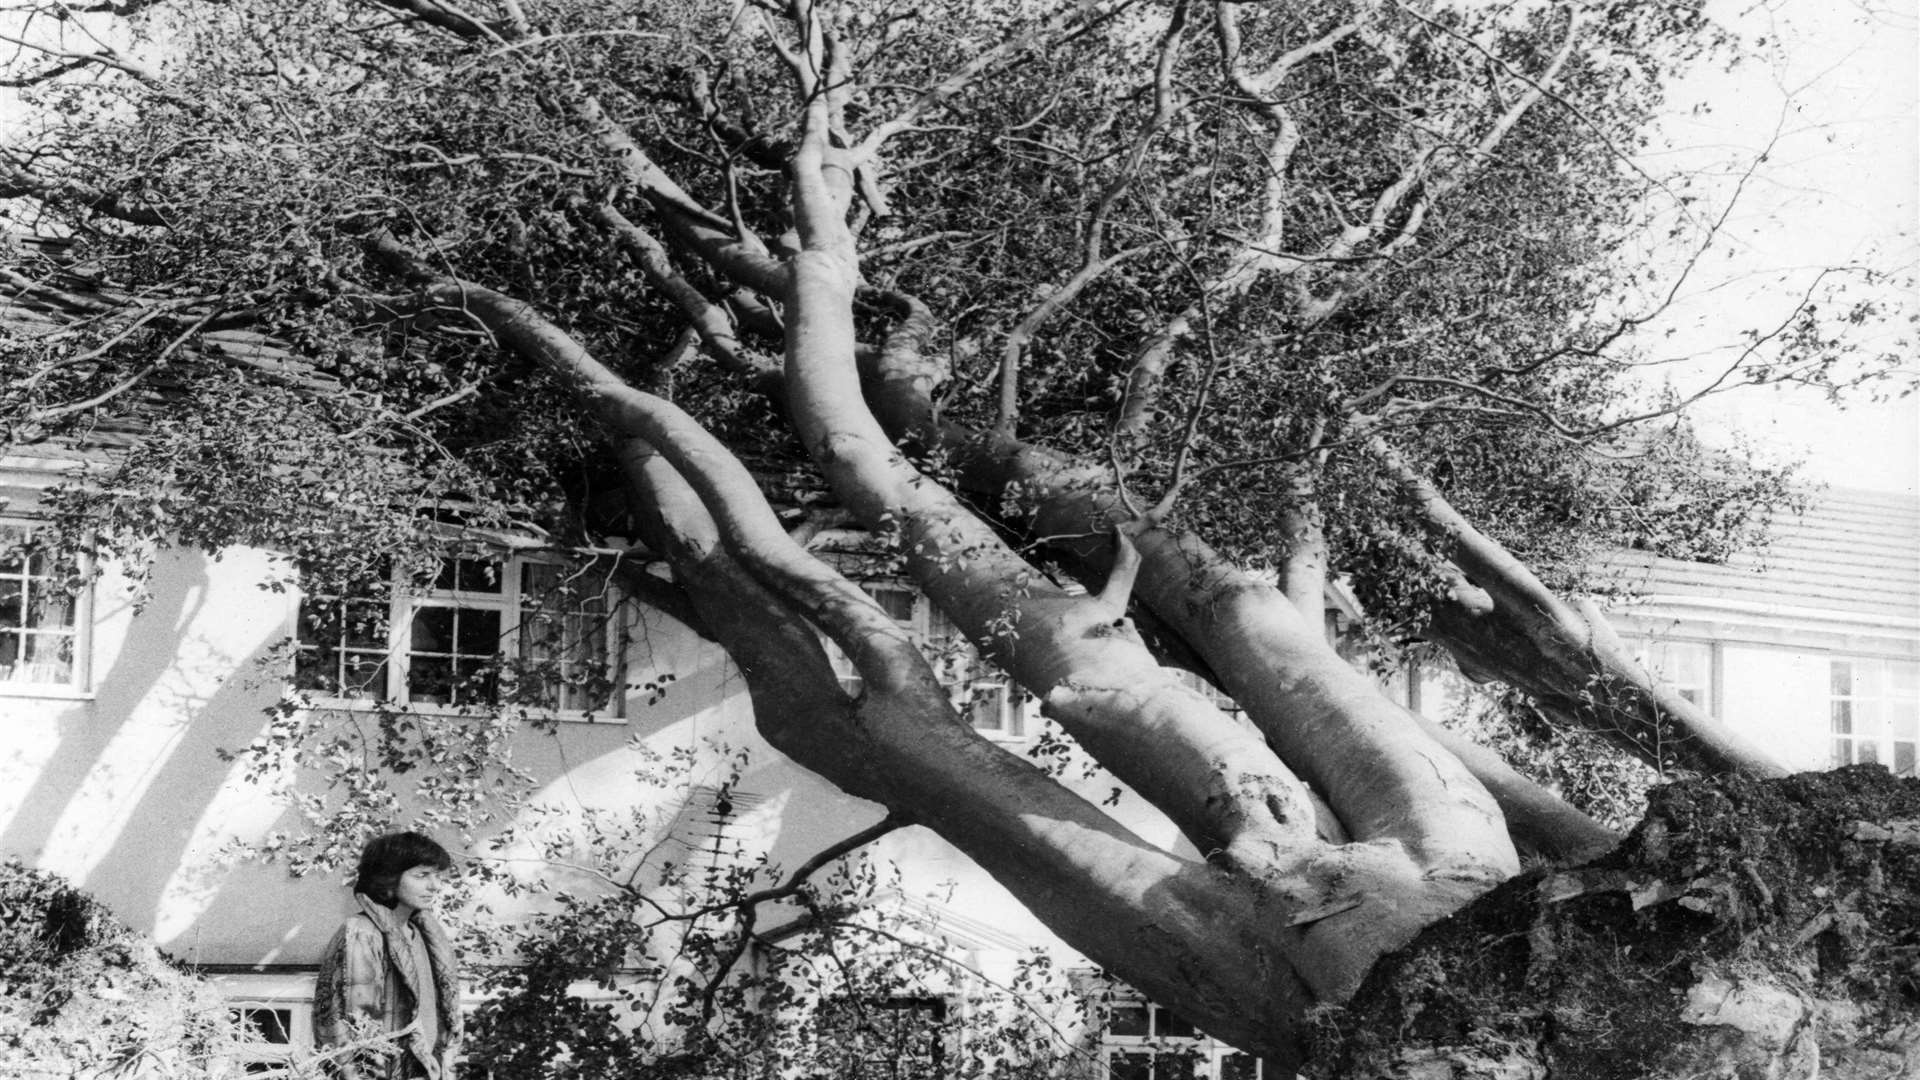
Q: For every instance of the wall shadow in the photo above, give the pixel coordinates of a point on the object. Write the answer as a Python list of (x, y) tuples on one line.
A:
[(86, 729)]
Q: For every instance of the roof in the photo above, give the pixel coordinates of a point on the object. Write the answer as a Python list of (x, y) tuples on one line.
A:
[(47, 299), (1852, 559)]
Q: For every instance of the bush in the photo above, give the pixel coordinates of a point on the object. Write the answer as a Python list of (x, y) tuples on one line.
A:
[(81, 995)]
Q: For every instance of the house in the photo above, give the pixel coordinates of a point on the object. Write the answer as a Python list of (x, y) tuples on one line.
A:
[(114, 710), (1810, 648), (116, 706)]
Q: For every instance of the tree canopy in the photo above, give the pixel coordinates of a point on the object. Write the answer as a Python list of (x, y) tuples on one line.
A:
[(1122, 326)]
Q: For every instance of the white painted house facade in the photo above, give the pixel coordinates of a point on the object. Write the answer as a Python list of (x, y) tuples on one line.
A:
[(112, 716)]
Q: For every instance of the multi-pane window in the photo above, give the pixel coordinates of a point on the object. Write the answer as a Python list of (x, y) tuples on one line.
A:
[(884, 1038), (1687, 666), (272, 1036), (980, 691), (1146, 1042), (1875, 713), (481, 632), (42, 628)]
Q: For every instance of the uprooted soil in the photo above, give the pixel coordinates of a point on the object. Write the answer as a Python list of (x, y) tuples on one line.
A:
[(1745, 929)]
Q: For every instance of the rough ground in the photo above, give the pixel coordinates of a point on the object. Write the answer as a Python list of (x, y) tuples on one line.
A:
[(1745, 929)]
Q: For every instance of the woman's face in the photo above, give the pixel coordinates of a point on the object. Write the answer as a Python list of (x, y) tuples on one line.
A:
[(419, 887)]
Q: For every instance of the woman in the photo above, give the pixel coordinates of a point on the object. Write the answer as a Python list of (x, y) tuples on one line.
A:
[(389, 984)]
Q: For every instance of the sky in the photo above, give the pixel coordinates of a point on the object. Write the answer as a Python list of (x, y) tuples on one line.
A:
[(1840, 92)]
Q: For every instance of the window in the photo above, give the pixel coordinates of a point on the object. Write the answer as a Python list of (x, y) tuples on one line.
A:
[(889, 1038), (1146, 1042), (43, 622), (270, 1034), (517, 631), (1875, 713), (273, 1017), (1685, 665), (979, 690)]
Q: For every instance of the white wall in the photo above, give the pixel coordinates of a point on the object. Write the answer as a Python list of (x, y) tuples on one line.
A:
[(122, 790), (1779, 698)]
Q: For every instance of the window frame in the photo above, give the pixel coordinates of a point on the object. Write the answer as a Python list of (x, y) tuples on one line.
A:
[(1207, 1054), (1657, 654), (937, 1009), (297, 1026), (954, 660), (406, 600), (78, 686), (1871, 712)]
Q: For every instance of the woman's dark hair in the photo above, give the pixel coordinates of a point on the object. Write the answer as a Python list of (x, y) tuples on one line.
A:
[(385, 858)]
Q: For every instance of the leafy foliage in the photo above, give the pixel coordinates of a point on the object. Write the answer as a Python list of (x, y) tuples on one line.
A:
[(1224, 249), (83, 995)]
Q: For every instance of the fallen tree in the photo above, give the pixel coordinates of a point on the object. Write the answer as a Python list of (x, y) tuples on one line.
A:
[(1195, 304)]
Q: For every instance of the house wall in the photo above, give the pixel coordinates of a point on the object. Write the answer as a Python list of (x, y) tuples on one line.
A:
[(121, 788), (1778, 697), (1772, 668)]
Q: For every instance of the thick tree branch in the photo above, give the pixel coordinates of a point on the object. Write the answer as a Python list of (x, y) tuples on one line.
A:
[(1657, 723), (710, 320), (748, 906), (16, 182)]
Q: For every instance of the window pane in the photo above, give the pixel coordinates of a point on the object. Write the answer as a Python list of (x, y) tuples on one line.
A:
[(315, 625), (363, 675), (49, 609), (467, 575), (1842, 678), (1173, 1027), (473, 680), (267, 1025), (1903, 759), (896, 602), (365, 624), (433, 630), (430, 681), (313, 670), (1128, 1020), (1868, 752), (1174, 1065), (987, 708), (1239, 1066), (342, 647), (538, 580), (561, 639), (1131, 1065), (49, 658), (1842, 717), (542, 637), (34, 604), (1903, 719), (476, 633)]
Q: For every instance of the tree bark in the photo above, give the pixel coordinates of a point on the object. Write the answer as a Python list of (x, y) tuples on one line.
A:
[(1568, 660)]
